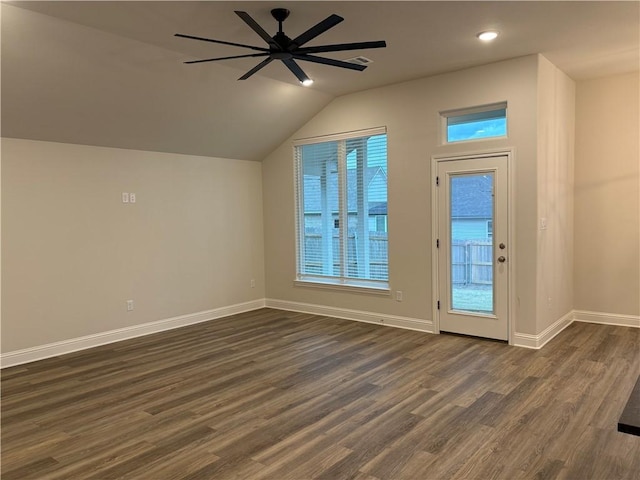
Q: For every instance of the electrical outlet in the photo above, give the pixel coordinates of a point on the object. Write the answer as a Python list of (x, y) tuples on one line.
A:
[(253, 283), (132, 198), (398, 295), (129, 305), (543, 223)]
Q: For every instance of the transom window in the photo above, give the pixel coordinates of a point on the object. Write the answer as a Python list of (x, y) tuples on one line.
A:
[(341, 202), (488, 121)]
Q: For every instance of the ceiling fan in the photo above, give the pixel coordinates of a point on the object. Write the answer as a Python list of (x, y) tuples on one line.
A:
[(283, 48)]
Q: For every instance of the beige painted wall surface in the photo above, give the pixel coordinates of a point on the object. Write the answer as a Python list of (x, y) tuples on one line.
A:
[(410, 111), (556, 141), (73, 253), (607, 196)]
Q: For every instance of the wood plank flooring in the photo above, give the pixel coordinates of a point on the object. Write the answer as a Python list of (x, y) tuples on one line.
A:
[(280, 395)]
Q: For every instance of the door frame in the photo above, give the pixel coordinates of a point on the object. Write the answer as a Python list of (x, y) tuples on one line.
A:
[(511, 237)]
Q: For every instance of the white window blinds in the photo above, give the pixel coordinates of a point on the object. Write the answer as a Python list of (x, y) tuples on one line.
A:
[(341, 201)]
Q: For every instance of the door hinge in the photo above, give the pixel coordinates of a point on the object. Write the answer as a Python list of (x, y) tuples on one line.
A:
[(437, 181), (438, 304), (437, 243)]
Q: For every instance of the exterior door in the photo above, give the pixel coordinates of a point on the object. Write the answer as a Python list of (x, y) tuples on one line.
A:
[(473, 246)]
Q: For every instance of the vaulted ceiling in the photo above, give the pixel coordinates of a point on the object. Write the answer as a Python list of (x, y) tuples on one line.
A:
[(112, 73)]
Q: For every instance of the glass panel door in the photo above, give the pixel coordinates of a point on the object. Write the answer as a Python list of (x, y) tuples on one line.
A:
[(471, 211), (473, 246)]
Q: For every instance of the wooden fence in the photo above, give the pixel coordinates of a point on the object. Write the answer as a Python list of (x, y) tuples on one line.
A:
[(378, 255), (472, 262)]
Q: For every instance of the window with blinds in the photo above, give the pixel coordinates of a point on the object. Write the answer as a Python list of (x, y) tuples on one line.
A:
[(341, 202)]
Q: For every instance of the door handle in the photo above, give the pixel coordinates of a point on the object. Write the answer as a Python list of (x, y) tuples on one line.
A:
[(501, 259)]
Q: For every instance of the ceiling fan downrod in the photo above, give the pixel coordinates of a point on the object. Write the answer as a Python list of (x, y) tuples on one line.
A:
[(280, 14)]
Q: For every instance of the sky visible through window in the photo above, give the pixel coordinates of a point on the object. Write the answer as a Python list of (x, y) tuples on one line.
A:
[(496, 127)]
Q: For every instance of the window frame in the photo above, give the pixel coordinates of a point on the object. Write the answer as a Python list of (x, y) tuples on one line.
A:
[(489, 226), (445, 115), (360, 285)]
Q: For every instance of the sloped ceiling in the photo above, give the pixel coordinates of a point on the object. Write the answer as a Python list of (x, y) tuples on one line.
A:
[(111, 73)]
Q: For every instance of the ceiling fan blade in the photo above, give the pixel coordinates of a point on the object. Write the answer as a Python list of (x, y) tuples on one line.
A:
[(329, 61), (229, 58), (321, 27), (295, 69), (258, 29), (342, 47), (261, 65), (260, 49)]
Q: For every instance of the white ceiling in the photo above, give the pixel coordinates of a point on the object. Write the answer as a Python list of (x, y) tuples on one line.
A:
[(111, 73)]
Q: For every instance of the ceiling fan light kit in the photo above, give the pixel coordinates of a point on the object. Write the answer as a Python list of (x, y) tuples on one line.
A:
[(287, 50)]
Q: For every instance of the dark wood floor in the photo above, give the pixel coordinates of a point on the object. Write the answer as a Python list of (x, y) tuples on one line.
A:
[(281, 395)]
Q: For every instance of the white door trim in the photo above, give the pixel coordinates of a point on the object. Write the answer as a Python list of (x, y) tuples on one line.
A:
[(512, 241)]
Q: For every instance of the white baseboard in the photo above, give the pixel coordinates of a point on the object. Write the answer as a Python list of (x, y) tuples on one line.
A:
[(540, 340), (357, 315), (607, 318), (40, 352)]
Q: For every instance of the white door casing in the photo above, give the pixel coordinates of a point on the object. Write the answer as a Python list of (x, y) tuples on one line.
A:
[(471, 281)]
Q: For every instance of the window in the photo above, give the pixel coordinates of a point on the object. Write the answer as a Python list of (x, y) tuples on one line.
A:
[(488, 121), (341, 202)]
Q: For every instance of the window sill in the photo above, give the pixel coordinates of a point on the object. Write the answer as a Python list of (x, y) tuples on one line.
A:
[(356, 286)]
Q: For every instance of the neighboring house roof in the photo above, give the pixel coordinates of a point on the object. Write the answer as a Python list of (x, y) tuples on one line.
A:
[(471, 196), (378, 208)]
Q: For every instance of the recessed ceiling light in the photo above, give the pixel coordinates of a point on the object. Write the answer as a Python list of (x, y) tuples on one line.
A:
[(307, 82), (488, 35)]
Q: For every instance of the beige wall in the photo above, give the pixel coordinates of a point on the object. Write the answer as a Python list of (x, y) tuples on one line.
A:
[(410, 111), (607, 198), (556, 140), (73, 253)]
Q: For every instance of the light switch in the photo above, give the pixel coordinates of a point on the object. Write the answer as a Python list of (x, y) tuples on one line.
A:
[(125, 197)]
